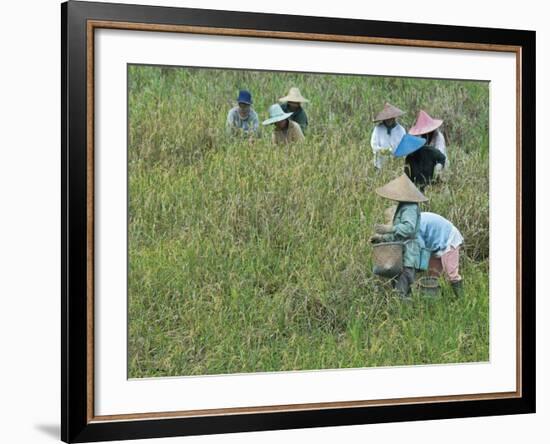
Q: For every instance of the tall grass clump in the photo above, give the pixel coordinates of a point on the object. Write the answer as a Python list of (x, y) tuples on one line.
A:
[(247, 257)]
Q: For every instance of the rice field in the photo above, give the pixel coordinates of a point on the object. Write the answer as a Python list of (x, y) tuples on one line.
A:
[(250, 257)]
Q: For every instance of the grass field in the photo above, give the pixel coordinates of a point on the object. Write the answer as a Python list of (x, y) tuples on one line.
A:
[(253, 257)]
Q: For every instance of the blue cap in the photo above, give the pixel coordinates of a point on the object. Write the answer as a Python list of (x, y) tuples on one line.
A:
[(244, 97), (409, 144)]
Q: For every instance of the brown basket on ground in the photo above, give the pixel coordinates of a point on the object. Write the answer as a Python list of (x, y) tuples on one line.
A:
[(388, 259)]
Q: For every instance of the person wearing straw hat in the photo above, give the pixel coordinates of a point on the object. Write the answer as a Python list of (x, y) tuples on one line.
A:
[(242, 119), (285, 130), (442, 240), (386, 134), (429, 128), (404, 228), (421, 160), (292, 103)]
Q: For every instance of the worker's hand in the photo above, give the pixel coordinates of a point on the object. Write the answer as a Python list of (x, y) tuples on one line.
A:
[(383, 228), (375, 239), (443, 174)]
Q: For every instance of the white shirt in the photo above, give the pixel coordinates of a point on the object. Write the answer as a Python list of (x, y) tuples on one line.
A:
[(438, 141), (380, 140)]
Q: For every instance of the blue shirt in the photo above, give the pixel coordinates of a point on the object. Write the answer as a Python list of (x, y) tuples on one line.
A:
[(437, 233)]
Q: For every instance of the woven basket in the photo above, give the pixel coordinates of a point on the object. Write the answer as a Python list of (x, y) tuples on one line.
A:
[(388, 259)]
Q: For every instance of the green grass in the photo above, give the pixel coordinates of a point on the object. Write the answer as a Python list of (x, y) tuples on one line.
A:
[(252, 257)]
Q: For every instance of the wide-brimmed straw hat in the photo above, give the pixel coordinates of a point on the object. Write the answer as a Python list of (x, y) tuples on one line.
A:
[(276, 114), (401, 189), (424, 124), (409, 144), (294, 96), (389, 112)]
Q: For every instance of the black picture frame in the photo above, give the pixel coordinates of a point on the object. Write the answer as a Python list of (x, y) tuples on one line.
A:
[(76, 423)]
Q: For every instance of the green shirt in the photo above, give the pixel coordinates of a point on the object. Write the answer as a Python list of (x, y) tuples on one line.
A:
[(300, 116), (406, 224)]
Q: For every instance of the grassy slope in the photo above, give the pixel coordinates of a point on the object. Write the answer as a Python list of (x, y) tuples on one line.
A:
[(249, 257)]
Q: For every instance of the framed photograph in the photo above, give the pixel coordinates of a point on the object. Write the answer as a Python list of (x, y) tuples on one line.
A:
[(275, 221)]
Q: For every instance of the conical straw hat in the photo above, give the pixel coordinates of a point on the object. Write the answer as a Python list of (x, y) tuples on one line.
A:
[(389, 112), (424, 124), (401, 189), (409, 144), (294, 95)]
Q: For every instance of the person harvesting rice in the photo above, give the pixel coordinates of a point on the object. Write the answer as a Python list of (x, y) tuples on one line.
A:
[(292, 103), (242, 119), (284, 129), (421, 160), (428, 128), (386, 135), (443, 240), (404, 228)]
